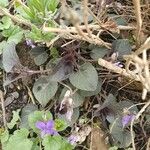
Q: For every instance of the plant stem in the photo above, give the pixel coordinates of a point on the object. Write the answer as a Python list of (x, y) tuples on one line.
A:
[(3, 109), (16, 19)]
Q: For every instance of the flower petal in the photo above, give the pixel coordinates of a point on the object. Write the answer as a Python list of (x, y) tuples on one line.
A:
[(127, 119), (51, 132), (55, 132), (50, 124), (72, 139), (40, 125)]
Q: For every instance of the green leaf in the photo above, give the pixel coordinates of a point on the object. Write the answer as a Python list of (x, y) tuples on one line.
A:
[(25, 11), (16, 38), (54, 53), (61, 71), (118, 19), (122, 137), (35, 146), (6, 23), (117, 108), (14, 120), (113, 148), (60, 124), (78, 99), (4, 136), (19, 141), (36, 4), (2, 45), (66, 146), (10, 57), (14, 34), (86, 78), (111, 104), (44, 90), (122, 46), (52, 142), (126, 104), (91, 93), (52, 5), (37, 11), (56, 143), (98, 52), (38, 116), (39, 54), (38, 36), (26, 111), (4, 3)]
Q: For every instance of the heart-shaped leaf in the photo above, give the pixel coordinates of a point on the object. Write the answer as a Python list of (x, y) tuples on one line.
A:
[(126, 104), (86, 78), (10, 57), (52, 142), (2, 45), (44, 90), (14, 34), (4, 3), (98, 52), (28, 109), (19, 140), (91, 93), (39, 54), (6, 23), (121, 135), (122, 46), (118, 19)]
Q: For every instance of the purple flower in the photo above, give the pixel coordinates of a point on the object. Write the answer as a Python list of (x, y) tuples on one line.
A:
[(72, 139), (127, 119), (30, 43), (119, 64), (47, 128)]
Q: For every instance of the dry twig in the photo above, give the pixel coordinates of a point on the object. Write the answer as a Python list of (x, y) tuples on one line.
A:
[(137, 8), (3, 109), (140, 73), (16, 19), (136, 118), (141, 66), (75, 32), (116, 69), (85, 4)]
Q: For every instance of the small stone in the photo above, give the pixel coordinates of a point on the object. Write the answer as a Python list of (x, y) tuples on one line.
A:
[(8, 101), (11, 86), (15, 95)]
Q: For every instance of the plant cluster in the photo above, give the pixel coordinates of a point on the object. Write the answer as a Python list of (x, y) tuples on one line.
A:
[(40, 123), (72, 43)]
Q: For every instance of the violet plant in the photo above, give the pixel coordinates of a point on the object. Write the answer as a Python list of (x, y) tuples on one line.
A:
[(46, 128), (46, 134), (127, 119)]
